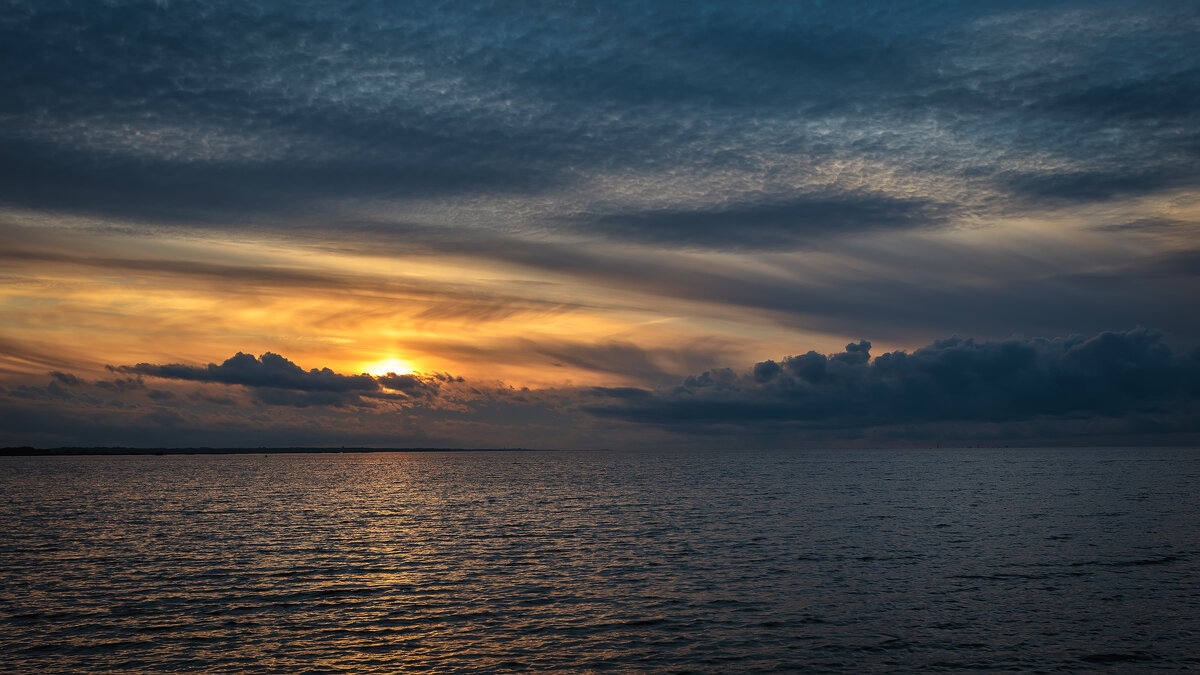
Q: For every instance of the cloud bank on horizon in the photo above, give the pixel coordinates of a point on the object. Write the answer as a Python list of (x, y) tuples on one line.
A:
[(548, 199), (1079, 389)]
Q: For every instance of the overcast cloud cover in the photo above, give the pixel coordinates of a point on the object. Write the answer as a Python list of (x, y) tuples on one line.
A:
[(789, 120), (597, 218)]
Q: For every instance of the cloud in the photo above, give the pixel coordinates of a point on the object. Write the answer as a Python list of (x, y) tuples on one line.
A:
[(1148, 225), (1098, 184), (622, 357), (1161, 95), (904, 290), (120, 384), (623, 393), (218, 114), (771, 223), (753, 170), (68, 379), (271, 370), (1131, 385), (274, 380), (443, 300), (1110, 375), (413, 386)]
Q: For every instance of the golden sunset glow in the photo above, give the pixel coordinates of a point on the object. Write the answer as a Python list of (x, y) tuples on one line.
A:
[(520, 335), (388, 366), (547, 240)]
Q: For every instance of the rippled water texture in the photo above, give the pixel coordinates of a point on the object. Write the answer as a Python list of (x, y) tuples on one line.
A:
[(844, 561)]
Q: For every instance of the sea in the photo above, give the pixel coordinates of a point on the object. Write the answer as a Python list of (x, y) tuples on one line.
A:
[(840, 561)]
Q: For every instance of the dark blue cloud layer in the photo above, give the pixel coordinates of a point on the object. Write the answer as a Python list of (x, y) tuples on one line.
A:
[(764, 225), (263, 111), (1109, 375)]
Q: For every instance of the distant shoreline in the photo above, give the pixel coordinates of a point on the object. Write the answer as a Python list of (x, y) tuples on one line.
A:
[(28, 451), (41, 452)]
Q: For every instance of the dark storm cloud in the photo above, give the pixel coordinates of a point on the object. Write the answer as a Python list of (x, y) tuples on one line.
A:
[(1110, 375), (272, 370), (274, 380), (220, 113)]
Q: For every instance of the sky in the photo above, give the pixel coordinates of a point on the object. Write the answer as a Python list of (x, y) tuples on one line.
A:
[(586, 225)]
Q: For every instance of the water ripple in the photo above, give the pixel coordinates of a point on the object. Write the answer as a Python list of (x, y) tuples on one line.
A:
[(853, 561)]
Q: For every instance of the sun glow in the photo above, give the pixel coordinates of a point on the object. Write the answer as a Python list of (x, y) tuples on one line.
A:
[(397, 366)]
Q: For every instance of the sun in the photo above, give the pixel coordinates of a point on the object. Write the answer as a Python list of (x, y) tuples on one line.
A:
[(393, 365)]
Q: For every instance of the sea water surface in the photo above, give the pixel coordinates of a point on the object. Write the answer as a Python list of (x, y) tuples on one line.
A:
[(1041, 560)]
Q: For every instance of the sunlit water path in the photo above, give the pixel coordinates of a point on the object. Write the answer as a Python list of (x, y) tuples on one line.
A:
[(843, 561)]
